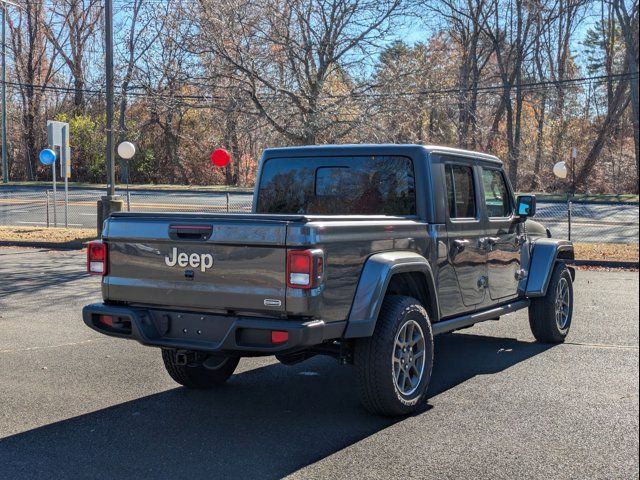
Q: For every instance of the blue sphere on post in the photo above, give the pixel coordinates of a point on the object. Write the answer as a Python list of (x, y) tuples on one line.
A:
[(47, 156)]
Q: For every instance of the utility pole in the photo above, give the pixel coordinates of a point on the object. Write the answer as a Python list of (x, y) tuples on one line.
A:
[(108, 29), (109, 203), (5, 161)]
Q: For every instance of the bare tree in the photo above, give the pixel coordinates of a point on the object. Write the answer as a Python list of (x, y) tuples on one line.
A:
[(71, 29), (297, 60), (618, 105), (464, 23), (34, 66), (166, 68), (140, 38), (509, 26), (557, 43), (628, 19)]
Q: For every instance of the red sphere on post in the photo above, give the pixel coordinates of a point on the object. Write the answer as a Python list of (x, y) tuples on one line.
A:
[(220, 157)]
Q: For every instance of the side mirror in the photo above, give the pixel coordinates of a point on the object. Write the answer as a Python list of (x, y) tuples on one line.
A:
[(526, 206)]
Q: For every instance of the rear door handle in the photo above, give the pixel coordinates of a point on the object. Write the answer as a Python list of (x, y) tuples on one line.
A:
[(460, 245), (487, 243)]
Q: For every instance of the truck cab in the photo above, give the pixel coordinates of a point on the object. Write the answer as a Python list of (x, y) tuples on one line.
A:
[(361, 252)]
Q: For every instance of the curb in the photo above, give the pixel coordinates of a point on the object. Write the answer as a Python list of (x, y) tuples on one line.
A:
[(49, 245)]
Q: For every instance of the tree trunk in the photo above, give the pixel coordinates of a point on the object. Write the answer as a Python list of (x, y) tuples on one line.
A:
[(78, 94), (512, 159), (629, 25), (463, 107), (535, 183), (124, 164), (618, 104)]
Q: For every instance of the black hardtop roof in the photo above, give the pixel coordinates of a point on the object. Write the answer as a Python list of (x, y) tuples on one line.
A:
[(375, 149)]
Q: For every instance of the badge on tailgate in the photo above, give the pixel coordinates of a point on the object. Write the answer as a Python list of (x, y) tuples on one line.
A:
[(193, 260)]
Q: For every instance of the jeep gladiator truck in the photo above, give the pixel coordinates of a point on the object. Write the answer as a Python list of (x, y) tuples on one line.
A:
[(361, 252)]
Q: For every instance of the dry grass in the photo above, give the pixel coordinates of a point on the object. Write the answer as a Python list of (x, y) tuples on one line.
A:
[(49, 235), (619, 252), (584, 251)]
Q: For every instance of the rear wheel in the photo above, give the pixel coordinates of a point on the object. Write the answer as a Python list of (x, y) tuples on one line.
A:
[(394, 365), (197, 375), (550, 316)]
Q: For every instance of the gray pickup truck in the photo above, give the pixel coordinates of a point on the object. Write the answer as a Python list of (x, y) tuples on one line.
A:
[(360, 252)]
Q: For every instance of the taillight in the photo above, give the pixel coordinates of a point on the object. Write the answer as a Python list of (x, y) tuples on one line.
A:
[(97, 258), (304, 268)]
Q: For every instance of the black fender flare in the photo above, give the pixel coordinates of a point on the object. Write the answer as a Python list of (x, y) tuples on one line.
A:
[(545, 253), (372, 286)]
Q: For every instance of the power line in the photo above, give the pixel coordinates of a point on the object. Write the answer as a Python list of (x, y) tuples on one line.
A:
[(529, 86), (540, 85)]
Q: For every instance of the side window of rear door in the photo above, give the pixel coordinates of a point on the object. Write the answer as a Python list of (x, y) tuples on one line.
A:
[(461, 195)]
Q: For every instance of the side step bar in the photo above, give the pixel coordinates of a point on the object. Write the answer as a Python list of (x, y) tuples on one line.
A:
[(457, 323)]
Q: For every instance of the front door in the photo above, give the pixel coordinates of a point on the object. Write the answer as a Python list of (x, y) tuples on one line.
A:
[(503, 240), (464, 231)]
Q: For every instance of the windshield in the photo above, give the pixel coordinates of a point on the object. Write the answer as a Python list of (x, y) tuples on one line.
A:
[(362, 185)]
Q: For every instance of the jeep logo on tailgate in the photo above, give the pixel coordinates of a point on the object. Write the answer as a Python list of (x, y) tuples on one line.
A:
[(194, 260)]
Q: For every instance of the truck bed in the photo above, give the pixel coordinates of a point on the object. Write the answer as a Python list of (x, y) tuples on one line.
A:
[(223, 263)]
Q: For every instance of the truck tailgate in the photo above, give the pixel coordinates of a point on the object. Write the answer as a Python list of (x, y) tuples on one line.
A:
[(212, 261)]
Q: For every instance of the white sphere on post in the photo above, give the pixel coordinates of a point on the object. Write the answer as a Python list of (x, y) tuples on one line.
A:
[(560, 170), (126, 150)]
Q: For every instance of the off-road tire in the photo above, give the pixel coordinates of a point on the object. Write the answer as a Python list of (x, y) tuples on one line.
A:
[(377, 387), (542, 311), (198, 377)]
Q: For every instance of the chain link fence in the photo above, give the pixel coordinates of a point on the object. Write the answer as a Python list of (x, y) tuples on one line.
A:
[(42, 208), (589, 222)]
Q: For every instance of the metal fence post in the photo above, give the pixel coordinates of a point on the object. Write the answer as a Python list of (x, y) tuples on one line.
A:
[(227, 194), (569, 212), (47, 192)]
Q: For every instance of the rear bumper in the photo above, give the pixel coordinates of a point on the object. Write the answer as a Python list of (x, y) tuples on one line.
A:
[(206, 332)]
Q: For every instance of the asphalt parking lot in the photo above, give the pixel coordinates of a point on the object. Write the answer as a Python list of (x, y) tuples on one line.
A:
[(75, 404)]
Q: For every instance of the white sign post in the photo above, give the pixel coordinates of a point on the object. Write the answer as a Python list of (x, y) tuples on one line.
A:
[(58, 136), (127, 150), (55, 196), (49, 157)]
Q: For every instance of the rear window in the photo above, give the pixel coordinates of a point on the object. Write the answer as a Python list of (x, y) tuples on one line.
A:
[(371, 185)]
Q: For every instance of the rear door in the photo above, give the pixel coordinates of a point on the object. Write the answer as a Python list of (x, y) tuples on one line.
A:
[(502, 240), (464, 230)]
